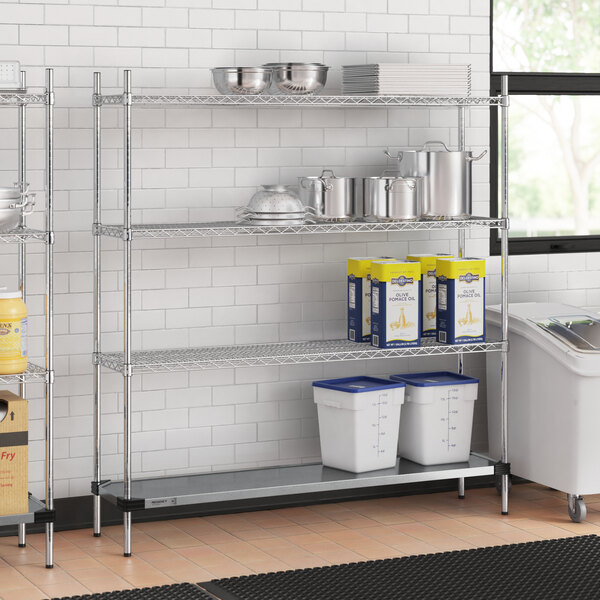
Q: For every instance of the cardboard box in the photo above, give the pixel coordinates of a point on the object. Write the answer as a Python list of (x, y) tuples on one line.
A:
[(460, 300), (395, 304), (13, 454)]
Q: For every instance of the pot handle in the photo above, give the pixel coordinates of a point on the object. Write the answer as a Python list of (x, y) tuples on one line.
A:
[(29, 207), (411, 185), (474, 158), (328, 173), (26, 204), (26, 200), (398, 156), (435, 142), (303, 183)]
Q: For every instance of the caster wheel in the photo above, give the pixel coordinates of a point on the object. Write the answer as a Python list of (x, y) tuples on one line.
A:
[(499, 484), (577, 510)]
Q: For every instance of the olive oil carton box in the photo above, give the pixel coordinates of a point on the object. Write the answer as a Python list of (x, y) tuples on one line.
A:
[(13, 454), (428, 290), (460, 300), (359, 297), (395, 304)]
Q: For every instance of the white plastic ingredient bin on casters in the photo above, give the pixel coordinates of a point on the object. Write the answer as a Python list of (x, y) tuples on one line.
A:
[(437, 418), (359, 419), (553, 398)]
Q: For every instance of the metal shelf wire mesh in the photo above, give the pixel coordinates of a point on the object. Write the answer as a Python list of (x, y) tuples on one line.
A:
[(33, 374), (232, 228), (22, 234), (267, 100), (16, 99), (282, 353)]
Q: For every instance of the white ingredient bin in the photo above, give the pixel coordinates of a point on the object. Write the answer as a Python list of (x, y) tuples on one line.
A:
[(553, 397), (437, 418), (358, 422)]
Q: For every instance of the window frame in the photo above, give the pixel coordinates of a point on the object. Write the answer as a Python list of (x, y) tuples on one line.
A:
[(538, 84)]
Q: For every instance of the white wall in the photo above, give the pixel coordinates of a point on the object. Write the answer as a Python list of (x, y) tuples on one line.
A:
[(197, 164)]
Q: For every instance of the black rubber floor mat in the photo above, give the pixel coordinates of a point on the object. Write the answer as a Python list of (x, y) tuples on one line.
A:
[(565, 569), (179, 591)]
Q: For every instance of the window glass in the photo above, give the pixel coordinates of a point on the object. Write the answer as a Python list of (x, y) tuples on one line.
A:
[(559, 36), (554, 165)]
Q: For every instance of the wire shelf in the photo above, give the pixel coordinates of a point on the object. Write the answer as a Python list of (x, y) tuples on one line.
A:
[(17, 99), (268, 100), (232, 228), (23, 234), (33, 374), (281, 353)]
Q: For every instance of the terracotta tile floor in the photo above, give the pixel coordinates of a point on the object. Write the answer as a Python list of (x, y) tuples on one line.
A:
[(198, 549)]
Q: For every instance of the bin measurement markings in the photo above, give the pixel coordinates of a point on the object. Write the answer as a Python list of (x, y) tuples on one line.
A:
[(381, 401), (448, 419)]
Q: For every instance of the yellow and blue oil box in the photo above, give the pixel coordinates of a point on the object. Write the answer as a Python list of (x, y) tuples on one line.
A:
[(428, 290), (460, 300), (359, 298), (395, 304)]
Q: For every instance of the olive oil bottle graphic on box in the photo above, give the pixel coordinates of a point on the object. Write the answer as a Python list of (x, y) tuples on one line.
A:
[(428, 290), (460, 300), (395, 304)]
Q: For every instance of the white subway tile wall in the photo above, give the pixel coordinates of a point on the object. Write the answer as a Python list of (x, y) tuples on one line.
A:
[(198, 164)]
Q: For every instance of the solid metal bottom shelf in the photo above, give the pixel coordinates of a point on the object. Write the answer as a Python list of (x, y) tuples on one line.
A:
[(37, 513), (280, 481)]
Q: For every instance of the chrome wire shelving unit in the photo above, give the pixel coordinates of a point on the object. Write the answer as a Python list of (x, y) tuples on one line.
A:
[(40, 511), (130, 495)]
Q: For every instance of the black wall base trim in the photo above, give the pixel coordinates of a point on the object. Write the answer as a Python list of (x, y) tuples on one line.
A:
[(77, 512)]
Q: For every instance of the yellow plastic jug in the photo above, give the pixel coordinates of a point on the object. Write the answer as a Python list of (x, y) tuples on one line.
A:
[(13, 333)]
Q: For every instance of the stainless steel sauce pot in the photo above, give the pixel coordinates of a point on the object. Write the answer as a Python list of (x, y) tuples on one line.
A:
[(333, 198), (448, 178), (392, 198)]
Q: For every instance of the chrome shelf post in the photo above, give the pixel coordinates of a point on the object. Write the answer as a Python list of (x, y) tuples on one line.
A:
[(97, 258), (22, 252), (50, 313), (504, 284), (127, 350)]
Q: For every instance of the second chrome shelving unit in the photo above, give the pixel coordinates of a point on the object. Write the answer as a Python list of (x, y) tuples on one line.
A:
[(39, 511), (133, 495)]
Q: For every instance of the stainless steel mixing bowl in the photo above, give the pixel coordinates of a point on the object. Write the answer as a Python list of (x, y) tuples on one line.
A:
[(299, 78), (242, 80)]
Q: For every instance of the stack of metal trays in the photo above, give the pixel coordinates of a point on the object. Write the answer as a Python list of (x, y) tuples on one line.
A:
[(395, 79)]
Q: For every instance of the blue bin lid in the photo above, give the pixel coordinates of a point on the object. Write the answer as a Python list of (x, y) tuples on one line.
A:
[(434, 378), (355, 385)]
